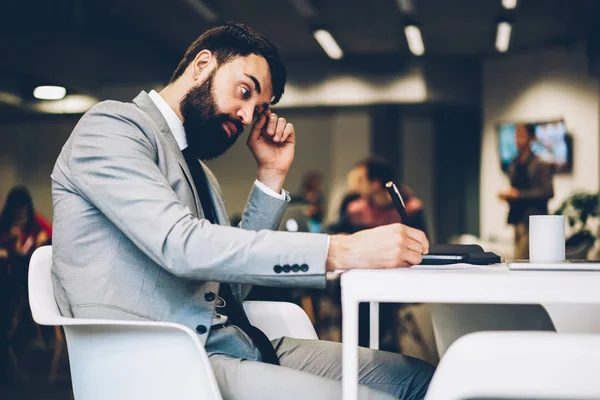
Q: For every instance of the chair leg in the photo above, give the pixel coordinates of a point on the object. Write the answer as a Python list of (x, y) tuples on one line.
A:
[(414, 330), (307, 305), (58, 347), (15, 321), (14, 361)]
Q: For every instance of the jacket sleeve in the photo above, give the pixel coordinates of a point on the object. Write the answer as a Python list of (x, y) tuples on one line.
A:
[(114, 165)]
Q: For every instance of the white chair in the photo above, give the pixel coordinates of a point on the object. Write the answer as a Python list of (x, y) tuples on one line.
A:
[(144, 360), (451, 321), (519, 365)]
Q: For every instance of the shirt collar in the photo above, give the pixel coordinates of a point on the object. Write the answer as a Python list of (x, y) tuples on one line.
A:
[(173, 121)]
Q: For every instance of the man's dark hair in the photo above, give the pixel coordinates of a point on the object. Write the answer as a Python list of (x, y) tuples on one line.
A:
[(17, 197), (232, 40), (378, 169)]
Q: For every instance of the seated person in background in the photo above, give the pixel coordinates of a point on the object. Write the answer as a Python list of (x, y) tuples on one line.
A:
[(21, 232), (311, 195), (375, 207), (141, 230), (343, 225)]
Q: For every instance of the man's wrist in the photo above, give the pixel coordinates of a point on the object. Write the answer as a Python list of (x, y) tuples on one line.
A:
[(337, 250), (273, 179)]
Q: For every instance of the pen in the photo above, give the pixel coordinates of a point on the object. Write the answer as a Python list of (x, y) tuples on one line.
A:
[(397, 200)]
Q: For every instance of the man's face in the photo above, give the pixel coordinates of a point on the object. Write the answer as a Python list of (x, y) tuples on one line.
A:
[(358, 182), (216, 109), (522, 139), (21, 215)]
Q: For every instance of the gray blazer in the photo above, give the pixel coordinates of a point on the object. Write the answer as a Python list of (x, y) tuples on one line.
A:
[(129, 241)]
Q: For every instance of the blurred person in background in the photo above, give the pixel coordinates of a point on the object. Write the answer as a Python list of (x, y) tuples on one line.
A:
[(374, 207), (530, 189), (343, 224), (311, 195), (22, 231), (132, 172)]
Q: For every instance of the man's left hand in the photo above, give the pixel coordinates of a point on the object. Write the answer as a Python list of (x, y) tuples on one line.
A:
[(510, 194), (272, 142)]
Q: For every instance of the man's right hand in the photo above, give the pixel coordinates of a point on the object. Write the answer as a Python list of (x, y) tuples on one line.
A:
[(389, 246)]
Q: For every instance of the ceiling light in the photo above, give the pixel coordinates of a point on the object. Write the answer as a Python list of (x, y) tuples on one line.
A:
[(406, 6), (205, 11), (414, 39), (49, 92), (509, 4), (11, 99), (503, 36), (304, 8), (72, 104), (328, 44)]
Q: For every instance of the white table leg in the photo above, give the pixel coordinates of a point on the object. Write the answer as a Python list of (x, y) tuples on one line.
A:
[(350, 348), (374, 325)]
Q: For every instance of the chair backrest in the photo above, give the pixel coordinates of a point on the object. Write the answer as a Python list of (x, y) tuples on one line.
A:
[(519, 365), (123, 359), (41, 290), (277, 319), (451, 321), (150, 360)]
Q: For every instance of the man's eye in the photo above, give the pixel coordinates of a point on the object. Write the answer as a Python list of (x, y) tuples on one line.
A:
[(245, 93)]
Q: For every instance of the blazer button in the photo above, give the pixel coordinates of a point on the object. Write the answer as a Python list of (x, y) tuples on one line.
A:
[(295, 268), (277, 269), (201, 329), (304, 267), (287, 268), (209, 296)]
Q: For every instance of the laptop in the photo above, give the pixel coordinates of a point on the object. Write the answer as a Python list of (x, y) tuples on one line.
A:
[(294, 219)]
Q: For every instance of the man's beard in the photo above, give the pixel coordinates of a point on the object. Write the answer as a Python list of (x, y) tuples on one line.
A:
[(203, 125)]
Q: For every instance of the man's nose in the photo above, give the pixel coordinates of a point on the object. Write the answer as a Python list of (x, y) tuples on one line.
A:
[(245, 115)]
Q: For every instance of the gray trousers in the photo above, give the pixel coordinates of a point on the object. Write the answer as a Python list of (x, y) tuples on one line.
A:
[(312, 369)]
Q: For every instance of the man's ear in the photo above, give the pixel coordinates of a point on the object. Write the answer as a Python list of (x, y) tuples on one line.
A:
[(201, 62)]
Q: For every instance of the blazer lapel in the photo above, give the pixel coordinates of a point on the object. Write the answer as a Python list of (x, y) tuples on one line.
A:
[(217, 196), (145, 103)]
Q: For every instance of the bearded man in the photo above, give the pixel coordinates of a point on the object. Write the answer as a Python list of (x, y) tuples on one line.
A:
[(141, 229)]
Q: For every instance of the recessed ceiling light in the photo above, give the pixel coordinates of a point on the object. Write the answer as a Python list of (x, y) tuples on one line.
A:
[(414, 39), (49, 92), (72, 104), (509, 4), (205, 11), (304, 8), (503, 36), (328, 44), (406, 6)]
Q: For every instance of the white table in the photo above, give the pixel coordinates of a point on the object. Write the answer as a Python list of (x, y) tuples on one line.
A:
[(482, 285)]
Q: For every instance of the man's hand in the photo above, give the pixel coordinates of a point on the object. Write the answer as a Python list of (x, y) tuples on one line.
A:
[(389, 246), (510, 194), (272, 142)]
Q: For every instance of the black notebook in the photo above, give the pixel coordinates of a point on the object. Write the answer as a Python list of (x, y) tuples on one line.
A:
[(440, 254)]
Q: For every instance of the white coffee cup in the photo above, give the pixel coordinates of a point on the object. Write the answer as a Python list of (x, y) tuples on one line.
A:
[(546, 238)]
